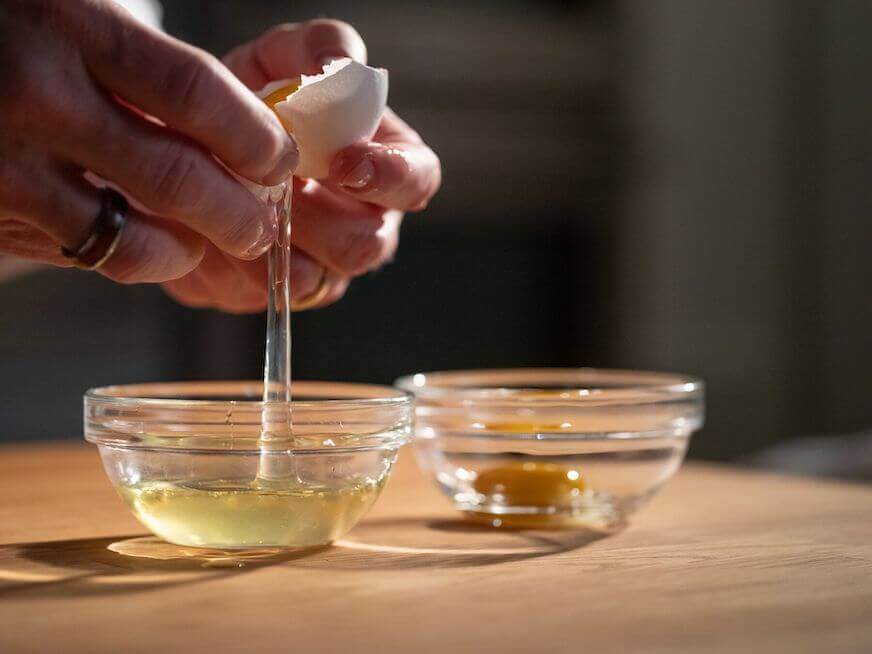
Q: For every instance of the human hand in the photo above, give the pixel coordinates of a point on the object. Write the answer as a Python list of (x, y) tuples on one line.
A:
[(345, 225), (78, 78)]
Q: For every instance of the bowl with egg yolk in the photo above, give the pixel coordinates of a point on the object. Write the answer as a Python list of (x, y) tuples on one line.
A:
[(553, 448)]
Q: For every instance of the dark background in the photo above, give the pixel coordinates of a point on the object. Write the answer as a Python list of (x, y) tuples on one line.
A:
[(680, 185)]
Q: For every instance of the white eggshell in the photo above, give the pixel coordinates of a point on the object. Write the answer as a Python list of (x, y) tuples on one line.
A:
[(332, 110)]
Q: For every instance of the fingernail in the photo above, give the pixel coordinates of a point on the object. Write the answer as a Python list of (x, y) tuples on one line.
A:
[(360, 176), (286, 165)]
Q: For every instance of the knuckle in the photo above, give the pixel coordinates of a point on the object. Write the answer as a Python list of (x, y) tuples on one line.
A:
[(177, 179), (261, 149), (191, 82), (195, 84), (113, 42), (22, 36), (237, 233), (39, 86)]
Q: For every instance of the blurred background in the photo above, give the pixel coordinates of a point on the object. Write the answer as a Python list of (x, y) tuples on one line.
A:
[(677, 185)]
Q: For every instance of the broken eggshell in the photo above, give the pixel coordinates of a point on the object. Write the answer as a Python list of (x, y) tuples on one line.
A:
[(330, 111)]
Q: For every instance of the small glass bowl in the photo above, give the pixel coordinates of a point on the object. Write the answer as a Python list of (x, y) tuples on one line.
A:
[(186, 459), (553, 447)]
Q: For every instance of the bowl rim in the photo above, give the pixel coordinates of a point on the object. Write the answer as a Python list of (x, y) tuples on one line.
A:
[(666, 384), (125, 416), (132, 396)]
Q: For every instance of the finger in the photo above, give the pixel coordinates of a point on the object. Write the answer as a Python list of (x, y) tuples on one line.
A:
[(25, 241), (227, 290), (399, 171), (345, 235), (253, 274), (187, 89), (305, 273), (235, 286), (294, 48), (189, 291), (63, 206), (40, 191), (165, 172), (337, 286), (152, 250)]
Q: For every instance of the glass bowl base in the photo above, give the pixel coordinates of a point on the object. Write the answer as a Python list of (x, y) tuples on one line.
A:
[(601, 517)]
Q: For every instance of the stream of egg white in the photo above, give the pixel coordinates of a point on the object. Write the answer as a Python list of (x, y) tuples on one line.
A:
[(277, 431)]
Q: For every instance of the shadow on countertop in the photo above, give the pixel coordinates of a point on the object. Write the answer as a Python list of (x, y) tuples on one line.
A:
[(136, 563)]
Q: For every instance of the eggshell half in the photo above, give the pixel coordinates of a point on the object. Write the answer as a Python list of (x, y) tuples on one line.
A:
[(331, 111)]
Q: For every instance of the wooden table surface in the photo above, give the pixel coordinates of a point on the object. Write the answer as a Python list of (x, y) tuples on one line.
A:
[(722, 560)]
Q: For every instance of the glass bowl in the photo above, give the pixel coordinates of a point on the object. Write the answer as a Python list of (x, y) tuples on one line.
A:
[(186, 459), (553, 447)]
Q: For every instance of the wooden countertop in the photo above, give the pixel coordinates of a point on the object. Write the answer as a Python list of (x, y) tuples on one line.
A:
[(723, 560)]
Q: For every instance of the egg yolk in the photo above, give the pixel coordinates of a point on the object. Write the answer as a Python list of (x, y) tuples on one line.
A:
[(530, 484), (527, 427), (280, 95)]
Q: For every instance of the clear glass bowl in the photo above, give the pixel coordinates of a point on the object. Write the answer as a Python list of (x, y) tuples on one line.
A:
[(186, 459), (553, 447)]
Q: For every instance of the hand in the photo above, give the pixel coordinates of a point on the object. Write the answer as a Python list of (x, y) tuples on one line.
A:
[(78, 78), (344, 226)]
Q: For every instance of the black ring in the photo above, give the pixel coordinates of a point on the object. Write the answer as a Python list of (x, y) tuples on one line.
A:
[(105, 231)]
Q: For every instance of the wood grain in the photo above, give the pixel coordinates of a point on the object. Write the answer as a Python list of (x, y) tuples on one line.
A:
[(724, 560)]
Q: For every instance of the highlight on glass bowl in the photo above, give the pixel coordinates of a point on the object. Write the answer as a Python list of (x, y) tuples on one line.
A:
[(187, 459), (553, 447)]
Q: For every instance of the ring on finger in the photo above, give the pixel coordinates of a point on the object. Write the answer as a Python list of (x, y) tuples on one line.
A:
[(105, 234), (315, 297)]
